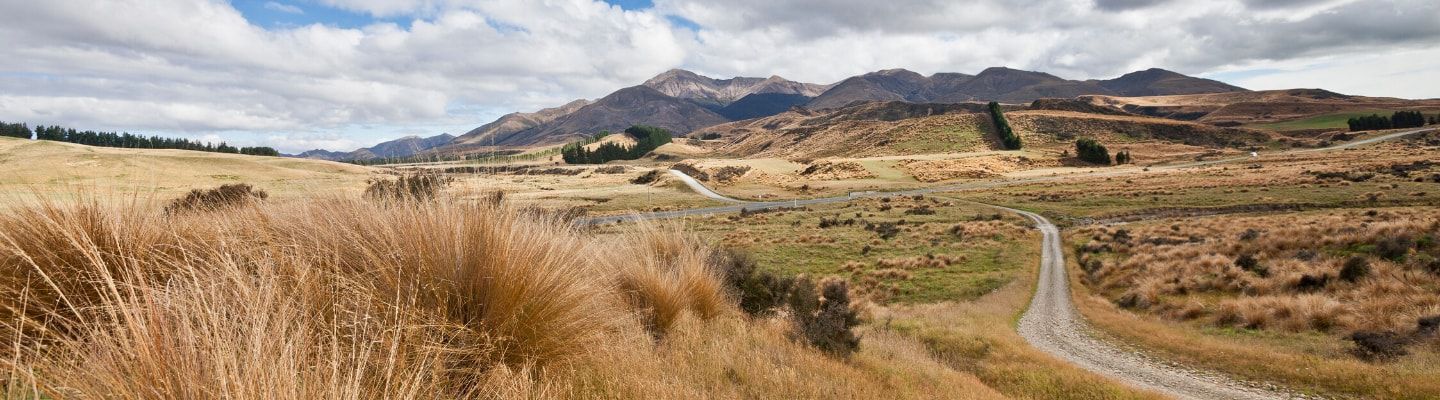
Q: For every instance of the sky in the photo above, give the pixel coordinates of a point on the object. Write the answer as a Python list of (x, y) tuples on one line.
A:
[(344, 74)]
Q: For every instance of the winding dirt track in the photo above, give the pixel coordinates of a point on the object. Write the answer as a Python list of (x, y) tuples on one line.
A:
[(1052, 324)]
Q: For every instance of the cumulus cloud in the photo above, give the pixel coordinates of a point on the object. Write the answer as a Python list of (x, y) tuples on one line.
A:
[(200, 67)]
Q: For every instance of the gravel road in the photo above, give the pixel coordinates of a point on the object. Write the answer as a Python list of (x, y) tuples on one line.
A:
[(1052, 324)]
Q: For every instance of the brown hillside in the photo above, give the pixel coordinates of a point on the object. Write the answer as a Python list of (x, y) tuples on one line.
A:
[(890, 129), (1237, 108)]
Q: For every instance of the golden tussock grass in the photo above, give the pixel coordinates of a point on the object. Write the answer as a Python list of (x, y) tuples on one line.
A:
[(1281, 315), (344, 298)]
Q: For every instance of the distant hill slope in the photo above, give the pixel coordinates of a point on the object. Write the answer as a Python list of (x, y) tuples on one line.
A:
[(58, 169), (501, 129), (636, 105), (1155, 82), (402, 147), (900, 128), (1005, 85), (1239, 108), (762, 105)]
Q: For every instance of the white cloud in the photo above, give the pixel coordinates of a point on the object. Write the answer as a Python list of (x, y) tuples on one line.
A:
[(198, 67), (285, 8)]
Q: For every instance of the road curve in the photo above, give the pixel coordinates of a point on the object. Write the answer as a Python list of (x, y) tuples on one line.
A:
[(1052, 325), (701, 189)]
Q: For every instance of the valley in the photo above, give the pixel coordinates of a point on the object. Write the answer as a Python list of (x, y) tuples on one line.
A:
[(937, 232)]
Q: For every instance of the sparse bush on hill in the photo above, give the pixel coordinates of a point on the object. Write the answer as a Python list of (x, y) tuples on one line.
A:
[(1091, 151), (1123, 158), (417, 186), (230, 195)]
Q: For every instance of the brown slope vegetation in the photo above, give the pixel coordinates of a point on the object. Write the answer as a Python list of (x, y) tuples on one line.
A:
[(500, 130), (897, 128), (1259, 295), (1254, 107)]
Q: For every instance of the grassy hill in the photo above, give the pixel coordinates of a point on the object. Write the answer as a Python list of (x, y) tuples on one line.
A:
[(55, 169)]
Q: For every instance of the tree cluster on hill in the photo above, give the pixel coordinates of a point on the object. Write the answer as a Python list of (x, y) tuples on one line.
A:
[(1398, 120), (15, 130), (125, 140), (1407, 119), (1092, 151), (647, 139), (1434, 120), (1002, 128)]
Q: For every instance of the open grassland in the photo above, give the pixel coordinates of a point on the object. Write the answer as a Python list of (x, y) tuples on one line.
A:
[(55, 170), (898, 249), (1334, 302), (1390, 174)]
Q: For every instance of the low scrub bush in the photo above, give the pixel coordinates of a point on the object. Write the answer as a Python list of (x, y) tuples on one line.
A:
[(1355, 269), (1379, 345), (231, 195), (826, 319), (758, 292)]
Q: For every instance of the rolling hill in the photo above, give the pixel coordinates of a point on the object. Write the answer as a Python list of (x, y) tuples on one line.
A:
[(902, 128), (57, 169), (1257, 107)]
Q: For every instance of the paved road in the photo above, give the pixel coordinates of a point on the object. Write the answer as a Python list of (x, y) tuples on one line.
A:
[(699, 188)]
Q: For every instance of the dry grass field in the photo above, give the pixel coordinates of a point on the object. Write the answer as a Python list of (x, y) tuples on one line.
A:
[(55, 169), (1354, 294)]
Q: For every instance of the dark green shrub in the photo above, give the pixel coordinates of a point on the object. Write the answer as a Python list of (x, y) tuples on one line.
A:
[(1091, 151), (1355, 269)]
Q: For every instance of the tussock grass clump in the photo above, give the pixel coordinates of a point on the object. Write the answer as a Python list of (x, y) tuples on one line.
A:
[(413, 186), (329, 298), (231, 195)]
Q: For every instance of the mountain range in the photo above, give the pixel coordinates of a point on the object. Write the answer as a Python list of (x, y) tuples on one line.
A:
[(402, 147), (683, 101)]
